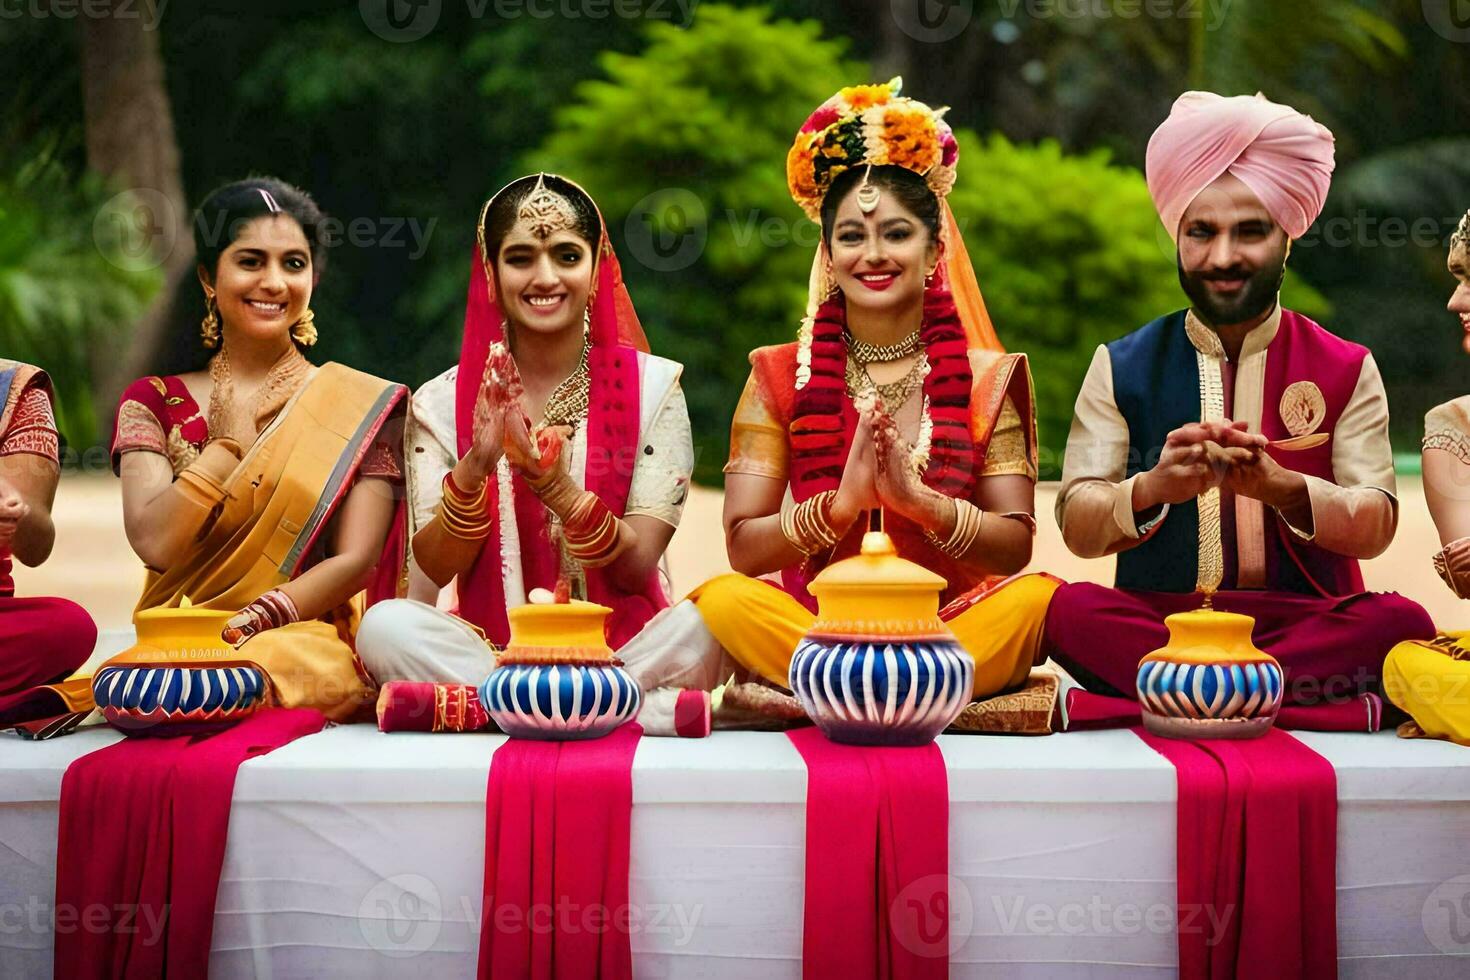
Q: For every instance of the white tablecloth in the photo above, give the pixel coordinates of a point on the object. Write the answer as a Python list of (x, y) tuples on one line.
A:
[(352, 852)]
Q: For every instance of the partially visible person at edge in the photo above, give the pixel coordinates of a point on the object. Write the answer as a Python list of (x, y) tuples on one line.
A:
[(1175, 461), (552, 348), (1431, 680), (894, 311), (42, 640), (223, 469)]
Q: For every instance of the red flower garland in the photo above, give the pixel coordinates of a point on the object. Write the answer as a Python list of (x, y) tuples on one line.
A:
[(823, 417)]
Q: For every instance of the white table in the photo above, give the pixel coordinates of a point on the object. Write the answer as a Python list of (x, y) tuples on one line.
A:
[(356, 852)]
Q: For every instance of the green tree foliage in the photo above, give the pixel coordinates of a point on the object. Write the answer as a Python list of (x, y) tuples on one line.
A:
[(71, 263)]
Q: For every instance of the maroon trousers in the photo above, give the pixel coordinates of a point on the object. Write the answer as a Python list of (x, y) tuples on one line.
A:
[(42, 641), (1331, 649)]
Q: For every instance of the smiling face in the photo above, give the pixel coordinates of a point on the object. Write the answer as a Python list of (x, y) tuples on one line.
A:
[(1459, 304), (880, 259), (263, 280), (544, 282), (1232, 254)]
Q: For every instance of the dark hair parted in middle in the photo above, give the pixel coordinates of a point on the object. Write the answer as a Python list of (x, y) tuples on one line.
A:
[(501, 216), (908, 187)]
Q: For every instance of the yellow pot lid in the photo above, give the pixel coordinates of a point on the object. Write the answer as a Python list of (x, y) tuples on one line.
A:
[(558, 624), (876, 569)]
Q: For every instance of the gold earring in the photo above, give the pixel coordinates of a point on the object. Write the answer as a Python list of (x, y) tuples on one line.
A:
[(303, 331), (209, 326)]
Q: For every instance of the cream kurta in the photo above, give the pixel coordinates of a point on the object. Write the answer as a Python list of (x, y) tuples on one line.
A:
[(661, 473), (1356, 516)]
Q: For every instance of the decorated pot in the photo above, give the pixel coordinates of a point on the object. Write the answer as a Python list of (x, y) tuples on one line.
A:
[(180, 677), (1210, 681), (557, 678), (879, 667)]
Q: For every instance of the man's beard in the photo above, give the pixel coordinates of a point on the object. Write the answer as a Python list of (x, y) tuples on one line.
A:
[(1255, 298)]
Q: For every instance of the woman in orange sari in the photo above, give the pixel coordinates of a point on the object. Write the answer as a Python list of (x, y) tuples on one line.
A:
[(266, 486), (949, 455)]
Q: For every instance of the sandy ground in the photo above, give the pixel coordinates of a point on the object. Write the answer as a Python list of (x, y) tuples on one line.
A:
[(93, 565)]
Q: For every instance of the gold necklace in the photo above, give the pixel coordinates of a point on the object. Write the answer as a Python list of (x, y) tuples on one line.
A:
[(865, 353), (567, 403), (244, 422), (895, 394)]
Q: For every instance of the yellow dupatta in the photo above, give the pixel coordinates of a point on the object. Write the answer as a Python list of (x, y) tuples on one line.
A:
[(282, 494), (279, 501)]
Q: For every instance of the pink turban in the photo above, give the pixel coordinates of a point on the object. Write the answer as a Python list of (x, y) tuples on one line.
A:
[(1280, 154)]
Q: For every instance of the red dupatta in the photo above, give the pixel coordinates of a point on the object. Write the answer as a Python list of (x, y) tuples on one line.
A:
[(612, 442)]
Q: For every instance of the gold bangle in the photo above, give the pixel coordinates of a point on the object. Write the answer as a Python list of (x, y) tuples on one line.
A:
[(967, 522), (464, 517), (808, 525), (599, 539), (463, 531)]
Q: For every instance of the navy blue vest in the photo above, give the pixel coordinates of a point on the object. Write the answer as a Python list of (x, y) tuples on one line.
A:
[(1156, 387)]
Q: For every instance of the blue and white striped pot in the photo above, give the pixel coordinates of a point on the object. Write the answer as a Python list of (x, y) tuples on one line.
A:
[(1210, 681), (173, 698), (560, 701), (882, 692)]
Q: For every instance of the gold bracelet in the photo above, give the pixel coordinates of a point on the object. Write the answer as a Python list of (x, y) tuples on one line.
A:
[(463, 516), (967, 521), (808, 525)]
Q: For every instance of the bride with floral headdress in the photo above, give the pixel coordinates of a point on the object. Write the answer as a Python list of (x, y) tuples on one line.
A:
[(553, 357), (896, 395)]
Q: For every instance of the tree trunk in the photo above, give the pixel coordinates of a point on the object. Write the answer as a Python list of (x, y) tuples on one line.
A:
[(130, 140)]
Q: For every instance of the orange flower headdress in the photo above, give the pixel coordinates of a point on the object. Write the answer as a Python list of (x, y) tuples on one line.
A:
[(869, 124)]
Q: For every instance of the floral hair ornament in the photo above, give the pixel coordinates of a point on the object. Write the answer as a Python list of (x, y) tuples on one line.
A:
[(872, 125)]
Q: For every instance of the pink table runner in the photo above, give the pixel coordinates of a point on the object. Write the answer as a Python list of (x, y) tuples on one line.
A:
[(557, 819), (142, 842), (1257, 852), (877, 861)]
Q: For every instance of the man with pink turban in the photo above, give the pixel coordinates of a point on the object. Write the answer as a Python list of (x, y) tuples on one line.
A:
[(1176, 461)]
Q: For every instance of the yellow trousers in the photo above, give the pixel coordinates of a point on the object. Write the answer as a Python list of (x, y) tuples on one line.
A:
[(1431, 681), (761, 626)]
